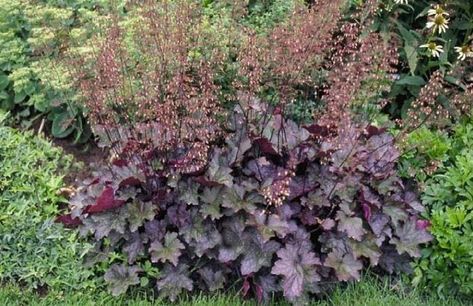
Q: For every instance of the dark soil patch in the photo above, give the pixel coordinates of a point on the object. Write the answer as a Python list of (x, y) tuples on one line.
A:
[(88, 154)]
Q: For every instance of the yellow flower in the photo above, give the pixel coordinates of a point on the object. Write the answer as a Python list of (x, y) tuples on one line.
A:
[(402, 1), (464, 52), (438, 23), (433, 49), (436, 11)]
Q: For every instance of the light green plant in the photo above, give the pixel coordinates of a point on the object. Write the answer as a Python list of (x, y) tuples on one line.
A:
[(34, 250)]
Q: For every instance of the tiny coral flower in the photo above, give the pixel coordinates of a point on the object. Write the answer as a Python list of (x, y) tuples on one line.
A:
[(433, 49), (437, 11), (402, 1), (438, 23), (464, 52)]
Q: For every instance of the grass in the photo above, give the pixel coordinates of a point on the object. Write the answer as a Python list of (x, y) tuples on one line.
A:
[(369, 292)]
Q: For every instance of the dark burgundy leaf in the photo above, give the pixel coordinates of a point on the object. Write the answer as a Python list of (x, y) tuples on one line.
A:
[(106, 201), (68, 221), (205, 182), (317, 130), (265, 146), (373, 131), (130, 181)]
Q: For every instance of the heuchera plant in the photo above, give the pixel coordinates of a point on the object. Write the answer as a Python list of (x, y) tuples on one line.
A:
[(277, 208)]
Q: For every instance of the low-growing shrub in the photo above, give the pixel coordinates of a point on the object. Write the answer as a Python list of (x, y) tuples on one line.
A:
[(447, 263), (34, 250), (278, 208)]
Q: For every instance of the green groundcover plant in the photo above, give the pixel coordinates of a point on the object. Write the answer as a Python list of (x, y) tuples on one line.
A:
[(34, 250), (447, 263)]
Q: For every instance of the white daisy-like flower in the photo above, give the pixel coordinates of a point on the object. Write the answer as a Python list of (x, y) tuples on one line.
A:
[(438, 23), (402, 1), (464, 52), (437, 10), (433, 49)]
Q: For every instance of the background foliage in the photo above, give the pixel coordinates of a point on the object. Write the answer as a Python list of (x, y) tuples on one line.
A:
[(35, 82)]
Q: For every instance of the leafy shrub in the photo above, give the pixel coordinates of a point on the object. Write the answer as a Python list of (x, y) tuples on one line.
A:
[(33, 249), (34, 83), (447, 262), (277, 208)]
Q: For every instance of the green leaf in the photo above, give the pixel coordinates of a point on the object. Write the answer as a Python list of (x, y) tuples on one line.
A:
[(19, 97), (411, 80), (455, 81), (410, 47), (4, 81), (62, 125)]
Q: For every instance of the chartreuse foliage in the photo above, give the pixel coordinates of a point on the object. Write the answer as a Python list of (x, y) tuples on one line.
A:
[(447, 264), (278, 209), (369, 292), (33, 249)]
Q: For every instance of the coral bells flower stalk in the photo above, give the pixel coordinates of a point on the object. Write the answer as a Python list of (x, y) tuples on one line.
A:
[(433, 49), (162, 109), (425, 109)]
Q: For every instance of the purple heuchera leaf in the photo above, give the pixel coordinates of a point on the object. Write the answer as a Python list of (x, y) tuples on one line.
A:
[(366, 248), (422, 224), (68, 221), (265, 146), (298, 267), (264, 286), (214, 280), (120, 277), (391, 261), (133, 246), (169, 251), (378, 222), (409, 237), (353, 226), (345, 265), (173, 280), (256, 252), (155, 230), (179, 215), (268, 225), (105, 201), (140, 212)]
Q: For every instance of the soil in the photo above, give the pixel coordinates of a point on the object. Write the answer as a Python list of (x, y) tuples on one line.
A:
[(88, 154)]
